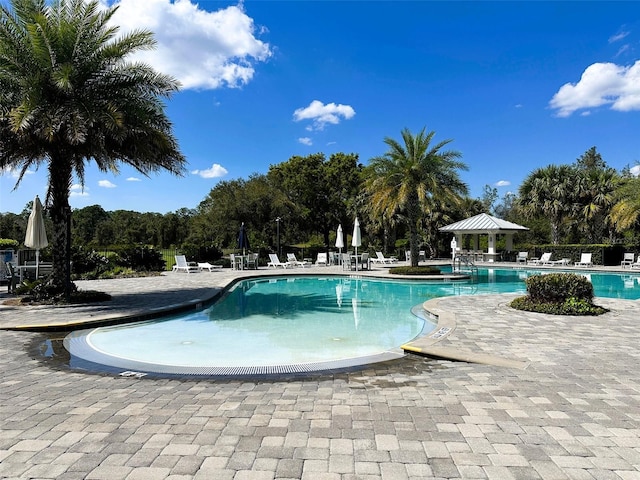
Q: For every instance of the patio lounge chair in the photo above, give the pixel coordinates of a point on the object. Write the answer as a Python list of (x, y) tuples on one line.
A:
[(522, 257), (380, 258), (322, 259), (294, 262), (585, 261), (182, 265), (275, 262), (544, 258), (208, 266), (636, 264), (627, 260), (562, 261)]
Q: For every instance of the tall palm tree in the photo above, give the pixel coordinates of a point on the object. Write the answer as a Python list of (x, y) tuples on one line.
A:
[(626, 211), (596, 195), (549, 191), (411, 178), (69, 97)]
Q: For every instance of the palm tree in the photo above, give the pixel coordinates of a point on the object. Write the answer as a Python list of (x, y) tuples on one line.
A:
[(412, 178), (549, 191), (69, 97), (596, 189), (626, 211)]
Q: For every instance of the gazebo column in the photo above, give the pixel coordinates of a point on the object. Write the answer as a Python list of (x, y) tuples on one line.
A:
[(491, 251), (476, 242), (508, 242)]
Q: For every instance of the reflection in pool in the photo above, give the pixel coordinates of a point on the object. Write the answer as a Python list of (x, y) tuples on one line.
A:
[(303, 323)]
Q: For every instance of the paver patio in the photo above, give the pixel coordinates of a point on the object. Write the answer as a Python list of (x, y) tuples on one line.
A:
[(573, 412)]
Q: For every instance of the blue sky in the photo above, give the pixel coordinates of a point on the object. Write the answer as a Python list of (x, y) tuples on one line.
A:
[(515, 85)]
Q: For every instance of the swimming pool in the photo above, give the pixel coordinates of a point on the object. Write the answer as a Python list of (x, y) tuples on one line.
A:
[(297, 324)]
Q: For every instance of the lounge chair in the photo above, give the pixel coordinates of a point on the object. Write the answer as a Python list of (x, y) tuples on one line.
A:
[(636, 264), (628, 259), (208, 266), (294, 262), (322, 259), (522, 257), (562, 261), (380, 258), (182, 265), (275, 262), (585, 261), (544, 258)]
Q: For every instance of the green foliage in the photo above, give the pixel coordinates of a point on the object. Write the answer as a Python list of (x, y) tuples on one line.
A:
[(45, 292), (87, 261), (414, 270), (558, 294), (8, 244), (140, 258)]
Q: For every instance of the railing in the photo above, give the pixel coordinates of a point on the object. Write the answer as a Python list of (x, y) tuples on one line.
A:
[(464, 264)]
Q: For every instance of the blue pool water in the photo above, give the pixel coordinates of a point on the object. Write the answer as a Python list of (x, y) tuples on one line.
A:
[(299, 323)]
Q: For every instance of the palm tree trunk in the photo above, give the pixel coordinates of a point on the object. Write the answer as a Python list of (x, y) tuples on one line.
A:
[(59, 187), (413, 216)]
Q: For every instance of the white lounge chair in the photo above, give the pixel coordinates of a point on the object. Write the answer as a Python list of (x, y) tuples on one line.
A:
[(294, 262), (636, 264), (544, 258), (322, 259), (380, 258), (522, 257), (628, 259), (208, 266), (585, 261), (182, 265), (275, 262)]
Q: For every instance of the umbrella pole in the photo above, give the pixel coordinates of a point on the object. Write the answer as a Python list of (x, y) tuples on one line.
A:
[(37, 264)]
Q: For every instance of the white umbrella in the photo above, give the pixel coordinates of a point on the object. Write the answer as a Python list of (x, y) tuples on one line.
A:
[(36, 236), (356, 240), (340, 242)]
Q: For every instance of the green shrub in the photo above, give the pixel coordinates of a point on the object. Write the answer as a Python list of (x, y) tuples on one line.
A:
[(557, 287), (558, 294), (140, 259), (414, 271)]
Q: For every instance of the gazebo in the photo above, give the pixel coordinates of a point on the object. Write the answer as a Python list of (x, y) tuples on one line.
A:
[(483, 224)]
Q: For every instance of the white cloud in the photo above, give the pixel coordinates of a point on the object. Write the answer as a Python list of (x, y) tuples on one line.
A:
[(618, 36), (204, 50), (601, 84), (79, 191), (635, 171), (133, 179), (14, 172), (503, 183), (215, 171), (322, 114), (305, 141), (106, 184)]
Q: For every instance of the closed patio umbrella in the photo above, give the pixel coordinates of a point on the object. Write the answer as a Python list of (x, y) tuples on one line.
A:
[(340, 242), (356, 239), (243, 239), (36, 236)]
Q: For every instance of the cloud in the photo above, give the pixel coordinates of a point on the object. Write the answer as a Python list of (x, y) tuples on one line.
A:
[(14, 172), (322, 114), (601, 84), (635, 171), (618, 36), (204, 50), (215, 171), (133, 179), (79, 191), (502, 183), (305, 141), (106, 184)]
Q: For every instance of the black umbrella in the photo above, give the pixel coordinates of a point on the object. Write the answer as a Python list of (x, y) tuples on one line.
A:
[(243, 239)]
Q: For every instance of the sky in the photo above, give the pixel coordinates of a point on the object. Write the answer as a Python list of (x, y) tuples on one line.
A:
[(514, 85)]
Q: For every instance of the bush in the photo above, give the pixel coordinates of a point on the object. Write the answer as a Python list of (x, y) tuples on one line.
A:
[(558, 294), (140, 259), (414, 271)]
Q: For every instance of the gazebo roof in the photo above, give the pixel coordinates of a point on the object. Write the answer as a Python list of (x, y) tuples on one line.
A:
[(483, 223)]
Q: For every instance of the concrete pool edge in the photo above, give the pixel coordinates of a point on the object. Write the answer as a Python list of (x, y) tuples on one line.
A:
[(446, 325)]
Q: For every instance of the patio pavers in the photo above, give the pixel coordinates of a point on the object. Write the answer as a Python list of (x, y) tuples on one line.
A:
[(573, 412)]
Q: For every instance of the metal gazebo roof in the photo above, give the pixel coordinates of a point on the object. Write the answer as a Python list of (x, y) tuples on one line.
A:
[(483, 223)]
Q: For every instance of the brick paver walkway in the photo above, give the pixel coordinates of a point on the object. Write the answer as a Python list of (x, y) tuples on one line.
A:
[(572, 413)]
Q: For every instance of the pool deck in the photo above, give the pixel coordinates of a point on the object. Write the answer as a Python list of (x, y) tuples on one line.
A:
[(534, 397)]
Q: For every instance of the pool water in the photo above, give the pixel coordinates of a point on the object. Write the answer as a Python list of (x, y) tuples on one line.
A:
[(299, 323)]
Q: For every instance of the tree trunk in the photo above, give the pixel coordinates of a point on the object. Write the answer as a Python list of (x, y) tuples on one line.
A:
[(413, 216), (60, 176)]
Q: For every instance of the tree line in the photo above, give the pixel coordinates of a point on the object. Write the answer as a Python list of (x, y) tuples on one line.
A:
[(304, 199)]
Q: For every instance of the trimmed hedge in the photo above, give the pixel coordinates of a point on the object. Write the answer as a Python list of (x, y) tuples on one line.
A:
[(558, 294), (414, 271)]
